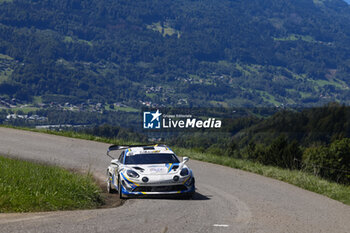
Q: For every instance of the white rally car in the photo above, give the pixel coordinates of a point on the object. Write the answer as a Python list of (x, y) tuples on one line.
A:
[(147, 170)]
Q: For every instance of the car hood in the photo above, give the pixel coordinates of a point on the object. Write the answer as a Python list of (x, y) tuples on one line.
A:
[(156, 169)]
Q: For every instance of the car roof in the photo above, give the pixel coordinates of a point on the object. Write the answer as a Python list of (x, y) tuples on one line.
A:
[(148, 149)]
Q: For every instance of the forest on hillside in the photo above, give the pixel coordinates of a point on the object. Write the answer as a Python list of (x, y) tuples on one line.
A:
[(255, 53)]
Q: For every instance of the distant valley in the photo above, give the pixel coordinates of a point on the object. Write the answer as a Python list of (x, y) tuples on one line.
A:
[(185, 53)]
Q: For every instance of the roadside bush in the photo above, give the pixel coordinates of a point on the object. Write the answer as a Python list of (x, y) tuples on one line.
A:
[(331, 162), (280, 153)]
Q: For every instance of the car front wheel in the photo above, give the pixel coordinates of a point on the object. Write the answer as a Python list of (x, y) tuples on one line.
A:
[(121, 196)]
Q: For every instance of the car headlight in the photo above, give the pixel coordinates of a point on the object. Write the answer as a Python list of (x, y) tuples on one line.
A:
[(132, 174), (184, 172)]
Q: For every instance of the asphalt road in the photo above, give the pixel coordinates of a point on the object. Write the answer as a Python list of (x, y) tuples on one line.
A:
[(227, 200)]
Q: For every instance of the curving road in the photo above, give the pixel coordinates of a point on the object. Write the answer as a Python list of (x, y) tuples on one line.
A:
[(227, 200)]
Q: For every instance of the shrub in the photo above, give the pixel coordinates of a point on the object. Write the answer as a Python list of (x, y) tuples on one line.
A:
[(331, 162)]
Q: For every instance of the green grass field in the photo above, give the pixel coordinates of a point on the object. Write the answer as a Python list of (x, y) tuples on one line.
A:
[(268, 98), (122, 108), (5, 60), (165, 30), (4, 75), (25, 110), (69, 39), (4, 56), (29, 187)]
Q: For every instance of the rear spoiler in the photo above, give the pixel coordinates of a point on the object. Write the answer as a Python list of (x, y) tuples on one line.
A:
[(117, 147)]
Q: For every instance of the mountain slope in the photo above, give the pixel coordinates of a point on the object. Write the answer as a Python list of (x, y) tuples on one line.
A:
[(202, 52)]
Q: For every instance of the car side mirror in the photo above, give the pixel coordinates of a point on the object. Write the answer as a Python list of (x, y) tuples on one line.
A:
[(185, 159)]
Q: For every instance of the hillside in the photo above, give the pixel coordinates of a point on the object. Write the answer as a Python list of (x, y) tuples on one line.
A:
[(187, 53)]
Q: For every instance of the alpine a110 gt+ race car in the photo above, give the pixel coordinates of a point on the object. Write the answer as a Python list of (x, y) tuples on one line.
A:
[(148, 170)]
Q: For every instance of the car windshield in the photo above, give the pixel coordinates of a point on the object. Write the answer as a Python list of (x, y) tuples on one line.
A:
[(151, 158)]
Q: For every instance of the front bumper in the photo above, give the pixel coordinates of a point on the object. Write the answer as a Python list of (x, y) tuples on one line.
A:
[(155, 185)]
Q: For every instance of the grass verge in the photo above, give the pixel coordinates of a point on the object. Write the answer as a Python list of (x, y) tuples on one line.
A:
[(29, 187), (298, 178)]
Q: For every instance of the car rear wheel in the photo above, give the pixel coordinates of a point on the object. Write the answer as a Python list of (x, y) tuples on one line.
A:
[(109, 184)]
